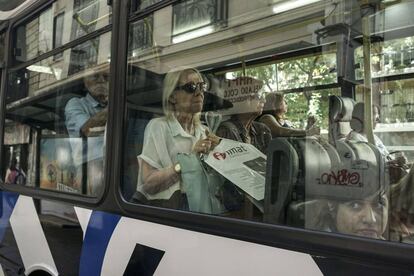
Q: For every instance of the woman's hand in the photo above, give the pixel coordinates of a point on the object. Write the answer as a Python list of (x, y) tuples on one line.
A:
[(207, 144), (202, 146), (314, 130), (214, 139)]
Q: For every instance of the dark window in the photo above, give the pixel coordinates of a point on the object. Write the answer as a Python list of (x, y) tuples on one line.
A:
[(140, 35), (58, 33)]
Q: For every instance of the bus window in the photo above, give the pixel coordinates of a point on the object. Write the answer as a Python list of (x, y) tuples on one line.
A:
[(56, 110), (72, 18), (247, 117)]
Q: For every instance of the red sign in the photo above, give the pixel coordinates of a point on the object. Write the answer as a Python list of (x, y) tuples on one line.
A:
[(342, 177), (219, 155)]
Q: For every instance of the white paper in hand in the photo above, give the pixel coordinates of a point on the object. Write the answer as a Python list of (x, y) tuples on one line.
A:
[(242, 164)]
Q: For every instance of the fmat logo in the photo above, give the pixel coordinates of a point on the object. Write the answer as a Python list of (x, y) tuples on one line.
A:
[(220, 155), (233, 152)]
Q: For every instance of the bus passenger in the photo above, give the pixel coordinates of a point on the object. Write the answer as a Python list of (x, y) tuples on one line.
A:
[(367, 217), (242, 127), (274, 117), (83, 114), (86, 117), (363, 213), (401, 177), (179, 131)]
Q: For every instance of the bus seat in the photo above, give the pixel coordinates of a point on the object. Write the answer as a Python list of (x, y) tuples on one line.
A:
[(137, 122), (340, 115), (315, 158), (293, 161), (302, 172), (332, 152), (282, 170)]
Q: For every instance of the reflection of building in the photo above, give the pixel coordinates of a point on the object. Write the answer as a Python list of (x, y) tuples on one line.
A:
[(62, 23)]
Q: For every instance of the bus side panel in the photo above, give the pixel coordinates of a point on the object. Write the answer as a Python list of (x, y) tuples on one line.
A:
[(37, 239)]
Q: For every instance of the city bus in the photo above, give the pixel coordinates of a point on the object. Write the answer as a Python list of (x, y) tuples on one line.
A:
[(98, 96)]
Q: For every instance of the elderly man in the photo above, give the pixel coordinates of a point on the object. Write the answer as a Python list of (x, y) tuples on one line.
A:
[(86, 118), (90, 111)]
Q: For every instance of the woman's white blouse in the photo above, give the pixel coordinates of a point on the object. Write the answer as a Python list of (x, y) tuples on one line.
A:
[(163, 140)]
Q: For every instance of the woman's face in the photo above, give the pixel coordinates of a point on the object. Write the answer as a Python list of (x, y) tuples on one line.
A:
[(283, 107), (367, 218), (185, 101), (256, 103)]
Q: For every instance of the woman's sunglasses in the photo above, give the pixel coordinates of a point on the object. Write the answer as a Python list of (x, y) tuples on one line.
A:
[(191, 87)]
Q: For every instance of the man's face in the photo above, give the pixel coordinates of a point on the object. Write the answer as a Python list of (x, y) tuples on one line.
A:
[(98, 87)]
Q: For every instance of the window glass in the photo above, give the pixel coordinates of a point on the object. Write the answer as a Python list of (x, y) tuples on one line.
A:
[(307, 71), (195, 18), (56, 118), (64, 21), (140, 36), (391, 57), (255, 119)]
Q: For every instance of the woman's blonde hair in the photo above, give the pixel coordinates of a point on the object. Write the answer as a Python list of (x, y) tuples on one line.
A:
[(273, 102), (170, 84)]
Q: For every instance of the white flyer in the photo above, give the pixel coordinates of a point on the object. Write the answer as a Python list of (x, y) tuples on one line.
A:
[(242, 164)]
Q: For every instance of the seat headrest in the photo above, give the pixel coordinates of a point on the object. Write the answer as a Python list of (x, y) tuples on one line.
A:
[(340, 109), (357, 121), (356, 178)]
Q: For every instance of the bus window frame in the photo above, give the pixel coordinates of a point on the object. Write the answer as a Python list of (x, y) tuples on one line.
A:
[(349, 248), (12, 66)]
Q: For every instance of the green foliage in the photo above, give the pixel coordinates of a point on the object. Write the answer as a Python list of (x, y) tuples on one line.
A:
[(297, 73)]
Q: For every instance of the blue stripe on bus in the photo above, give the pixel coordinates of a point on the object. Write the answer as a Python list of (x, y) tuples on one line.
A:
[(7, 205), (98, 234)]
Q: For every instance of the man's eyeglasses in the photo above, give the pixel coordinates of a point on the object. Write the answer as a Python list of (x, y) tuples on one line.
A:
[(191, 87)]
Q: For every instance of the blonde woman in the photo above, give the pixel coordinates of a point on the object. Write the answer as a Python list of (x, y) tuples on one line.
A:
[(179, 131)]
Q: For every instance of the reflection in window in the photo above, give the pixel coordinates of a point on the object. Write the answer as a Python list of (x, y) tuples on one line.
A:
[(192, 18), (56, 114), (64, 21), (315, 103), (140, 36), (307, 71), (390, 57), (324, 179), (58, 33), (295, 73), (142, 4)]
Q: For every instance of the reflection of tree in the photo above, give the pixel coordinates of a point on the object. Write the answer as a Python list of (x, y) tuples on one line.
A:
[(298, 73)]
